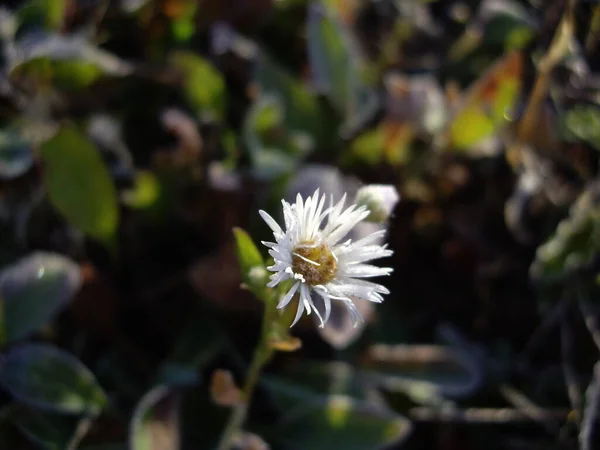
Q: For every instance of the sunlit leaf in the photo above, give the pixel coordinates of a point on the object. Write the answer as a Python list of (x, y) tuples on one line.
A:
[(155, 422), (389, 142), (252, 266), (34, 290), (183, 15), (345, 10), (489, 104), (336, 68), (144, 193), (248, 255), (68, 62), (16, 156), (79, 184), (45, 377), (203, 85)]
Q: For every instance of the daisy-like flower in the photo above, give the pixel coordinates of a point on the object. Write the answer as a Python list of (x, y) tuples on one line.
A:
[(310, 251)]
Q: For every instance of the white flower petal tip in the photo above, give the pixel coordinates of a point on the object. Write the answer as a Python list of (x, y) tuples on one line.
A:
[(313, 251), (379, 199)]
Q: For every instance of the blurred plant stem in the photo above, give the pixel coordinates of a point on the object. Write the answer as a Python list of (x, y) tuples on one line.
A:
[(262, 354)]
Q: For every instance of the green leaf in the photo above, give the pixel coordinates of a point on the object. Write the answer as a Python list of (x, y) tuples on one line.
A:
[(302, 112), (247, 253), (335, 421), (336, 67), (48, 378), (390, 142), (318, 378), (46, 14), (426, 373), (47, 430), (154, 425), (67, 62), (203, 85), (198, 340), (508, 31), (274, 149), (145, 191), (252, 265), (582, 123), (16, 156), (79, 184), (574, 244), (34, 290), (489, 103)]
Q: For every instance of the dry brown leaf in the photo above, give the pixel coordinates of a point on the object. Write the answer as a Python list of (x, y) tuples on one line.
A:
[(223, 389)]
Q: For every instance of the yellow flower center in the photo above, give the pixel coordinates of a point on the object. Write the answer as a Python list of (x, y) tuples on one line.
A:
[(314, 262)]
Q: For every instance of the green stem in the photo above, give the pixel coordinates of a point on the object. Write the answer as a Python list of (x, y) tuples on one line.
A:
[(262, 355)]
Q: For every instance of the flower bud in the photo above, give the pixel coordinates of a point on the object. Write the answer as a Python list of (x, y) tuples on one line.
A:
[(380, 199)]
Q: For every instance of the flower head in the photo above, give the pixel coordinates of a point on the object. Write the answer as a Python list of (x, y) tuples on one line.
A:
[(380, 200), (311, 252)]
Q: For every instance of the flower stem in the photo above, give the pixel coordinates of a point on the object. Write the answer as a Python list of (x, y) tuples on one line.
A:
[(262, 355)]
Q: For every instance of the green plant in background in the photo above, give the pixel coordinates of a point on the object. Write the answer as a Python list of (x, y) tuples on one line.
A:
[(134, 135), (50, 389)]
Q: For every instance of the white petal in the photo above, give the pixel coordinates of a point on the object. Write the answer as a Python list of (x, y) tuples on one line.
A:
[(270, 221), (373, 286), (308, 303), (288, 297), (327, 302), (347, 222), (361, 254), (278, 278), (298, 313), (365, 271), (354, 313)]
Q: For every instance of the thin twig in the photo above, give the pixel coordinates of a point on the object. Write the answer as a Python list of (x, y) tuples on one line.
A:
[(590, 314), (570, 374), (589, 435), (82, 429), (480, 415), (549, 321), (536, 413)]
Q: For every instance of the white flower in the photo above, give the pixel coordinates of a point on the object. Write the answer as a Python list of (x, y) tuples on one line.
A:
[(314, 256), (380, 200)]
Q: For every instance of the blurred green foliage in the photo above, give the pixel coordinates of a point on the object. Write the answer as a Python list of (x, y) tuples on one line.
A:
[(135, 135)]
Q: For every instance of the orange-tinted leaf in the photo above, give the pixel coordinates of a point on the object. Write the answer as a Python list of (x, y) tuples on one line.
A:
[(223, 389), (488, 104)]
